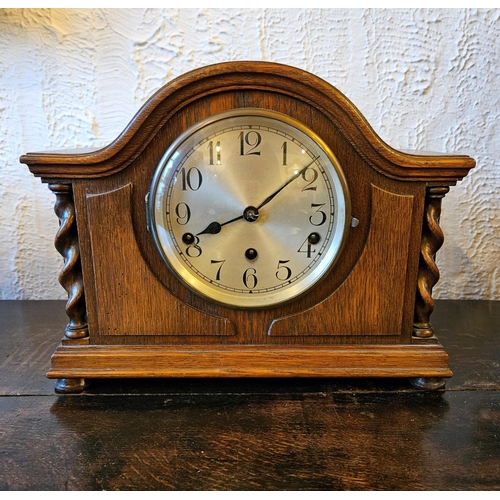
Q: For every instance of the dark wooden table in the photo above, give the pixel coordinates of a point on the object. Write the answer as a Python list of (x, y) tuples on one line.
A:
[(302, 434)]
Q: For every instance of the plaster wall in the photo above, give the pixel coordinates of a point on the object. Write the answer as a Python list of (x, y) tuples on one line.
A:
[(425, 79)]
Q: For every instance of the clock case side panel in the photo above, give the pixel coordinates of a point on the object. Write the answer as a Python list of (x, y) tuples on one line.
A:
[(377, 297), (124, 299)]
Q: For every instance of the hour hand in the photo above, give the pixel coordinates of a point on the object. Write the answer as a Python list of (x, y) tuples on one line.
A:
[(215, 227), (212, 228)]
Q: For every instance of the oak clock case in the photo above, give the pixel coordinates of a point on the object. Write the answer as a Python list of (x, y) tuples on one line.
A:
[(249, 208), (248, 223)]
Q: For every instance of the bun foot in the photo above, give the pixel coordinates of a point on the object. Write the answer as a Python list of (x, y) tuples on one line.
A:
[(70, 385), (428, 383)]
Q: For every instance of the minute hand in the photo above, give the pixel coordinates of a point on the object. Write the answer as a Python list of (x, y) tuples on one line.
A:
[(298, 174)]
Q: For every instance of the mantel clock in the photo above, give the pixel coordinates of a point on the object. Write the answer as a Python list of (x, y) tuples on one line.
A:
[(248, 223)]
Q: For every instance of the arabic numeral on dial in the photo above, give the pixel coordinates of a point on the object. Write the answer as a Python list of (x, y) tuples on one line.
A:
[(310, 179), (194, 250), (250, 278), (320, 219), (307, 248), (250, 140), (283, 150), (211, 152), (221, 263), (183, 213), (284, 272), (191, 179)]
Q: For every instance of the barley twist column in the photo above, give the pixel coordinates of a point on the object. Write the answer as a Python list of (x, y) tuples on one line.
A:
[(428, 272), (70, 277)]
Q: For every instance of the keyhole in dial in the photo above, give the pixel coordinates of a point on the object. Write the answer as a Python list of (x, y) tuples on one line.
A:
[(314, 238), (188, 238)]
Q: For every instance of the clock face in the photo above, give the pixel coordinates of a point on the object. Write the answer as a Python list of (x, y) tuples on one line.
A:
[(249, 208)]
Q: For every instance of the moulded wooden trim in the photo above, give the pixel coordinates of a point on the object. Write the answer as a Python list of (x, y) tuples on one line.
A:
[(250, 361), (248, 75)]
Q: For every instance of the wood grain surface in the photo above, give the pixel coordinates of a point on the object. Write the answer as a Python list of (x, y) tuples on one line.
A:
[(250, 434)]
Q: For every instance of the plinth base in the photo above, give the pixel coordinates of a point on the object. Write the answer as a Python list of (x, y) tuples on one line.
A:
[(428, 361)]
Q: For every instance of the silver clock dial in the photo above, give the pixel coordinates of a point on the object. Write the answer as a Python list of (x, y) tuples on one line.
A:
[(249, 208)]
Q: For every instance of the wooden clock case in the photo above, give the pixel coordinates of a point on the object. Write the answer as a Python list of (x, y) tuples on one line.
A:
[(130, 317)]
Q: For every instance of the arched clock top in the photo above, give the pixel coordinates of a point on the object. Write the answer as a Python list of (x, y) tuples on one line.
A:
[(236, 77)]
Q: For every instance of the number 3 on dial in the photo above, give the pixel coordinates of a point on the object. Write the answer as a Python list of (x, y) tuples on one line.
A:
[(249, 208)]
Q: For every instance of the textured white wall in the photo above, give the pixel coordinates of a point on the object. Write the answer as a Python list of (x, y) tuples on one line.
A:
[(425, 79)]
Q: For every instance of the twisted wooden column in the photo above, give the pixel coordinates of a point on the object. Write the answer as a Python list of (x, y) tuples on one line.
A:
[(428, 272), (70, 277)]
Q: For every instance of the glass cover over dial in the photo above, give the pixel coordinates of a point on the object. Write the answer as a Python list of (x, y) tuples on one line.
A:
[(249, 208)]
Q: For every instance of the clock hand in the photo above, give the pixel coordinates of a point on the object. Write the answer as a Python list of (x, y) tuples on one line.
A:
[(215, 227), (299, 173), (250, 214)]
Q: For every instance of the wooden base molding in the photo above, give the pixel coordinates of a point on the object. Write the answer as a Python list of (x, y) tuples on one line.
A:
[(259, 361)]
